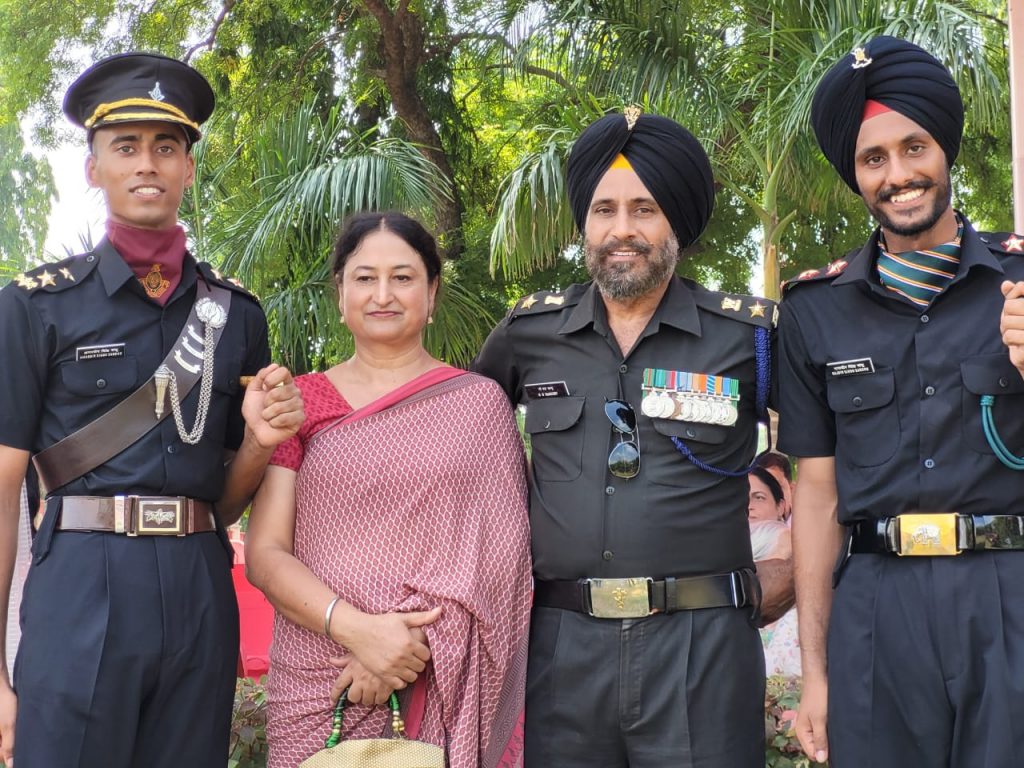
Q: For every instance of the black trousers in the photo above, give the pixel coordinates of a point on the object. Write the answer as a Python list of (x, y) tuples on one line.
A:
[(684, 690), (128, 653), (926, 662)]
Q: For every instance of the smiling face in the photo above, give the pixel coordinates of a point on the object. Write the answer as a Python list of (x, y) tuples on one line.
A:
[(904, 180), (630, 247), (143, 170), (385, 293)]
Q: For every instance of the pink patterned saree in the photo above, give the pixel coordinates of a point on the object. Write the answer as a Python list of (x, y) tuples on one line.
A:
[(414, 501)]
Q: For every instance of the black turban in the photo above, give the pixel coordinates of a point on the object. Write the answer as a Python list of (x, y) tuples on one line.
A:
[(668, 159), (899, 75)]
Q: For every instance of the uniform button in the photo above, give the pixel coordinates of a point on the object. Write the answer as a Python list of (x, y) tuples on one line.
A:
[(623, 368), (90, 258), (101, 383), (691, 432), (929, 390), (609, 490), (925, 318), (858, 402), (1003, 382), (607, 554), (547, 425), (929, 463), (172, 449)]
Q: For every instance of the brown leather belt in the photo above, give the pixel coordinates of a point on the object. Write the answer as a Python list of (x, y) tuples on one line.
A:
[(136, 515)]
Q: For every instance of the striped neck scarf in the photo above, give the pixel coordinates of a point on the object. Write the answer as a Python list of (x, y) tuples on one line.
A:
[(920, 276)]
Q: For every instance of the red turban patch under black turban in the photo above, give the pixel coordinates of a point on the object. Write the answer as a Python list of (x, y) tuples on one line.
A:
[(893, 72)]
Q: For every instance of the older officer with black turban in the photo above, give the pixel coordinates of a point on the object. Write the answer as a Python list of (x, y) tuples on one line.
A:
[(642, 392), (899, 396)]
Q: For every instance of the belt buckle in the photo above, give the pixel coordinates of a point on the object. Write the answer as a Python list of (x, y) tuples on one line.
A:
[(158, 517), (620, 598), (927, 534)]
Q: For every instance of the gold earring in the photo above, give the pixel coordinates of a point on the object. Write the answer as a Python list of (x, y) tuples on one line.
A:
[(342, 318), (430, 320)]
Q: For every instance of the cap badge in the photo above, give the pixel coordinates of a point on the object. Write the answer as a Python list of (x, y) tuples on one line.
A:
[(156, 93), (860, 58), (632, 114)]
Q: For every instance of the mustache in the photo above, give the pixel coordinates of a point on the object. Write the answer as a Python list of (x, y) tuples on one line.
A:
[(615, 245), (887, 194)]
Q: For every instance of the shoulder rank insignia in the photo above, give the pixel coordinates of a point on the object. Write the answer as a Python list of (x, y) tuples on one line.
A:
[(55, 276), (1013, 244), (543, 301), (747, 309), (828, 271)]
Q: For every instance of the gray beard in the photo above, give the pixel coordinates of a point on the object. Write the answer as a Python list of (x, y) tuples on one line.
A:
[(622, 281)]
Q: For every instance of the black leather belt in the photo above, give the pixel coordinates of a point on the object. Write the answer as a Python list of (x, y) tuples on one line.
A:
[(937, 534), (637, 597)]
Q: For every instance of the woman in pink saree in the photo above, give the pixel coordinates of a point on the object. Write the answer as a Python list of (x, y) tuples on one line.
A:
[(391, 533)]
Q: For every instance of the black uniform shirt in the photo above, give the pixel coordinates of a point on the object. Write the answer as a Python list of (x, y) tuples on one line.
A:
[(904, 423), (48, 390), (672, 519)]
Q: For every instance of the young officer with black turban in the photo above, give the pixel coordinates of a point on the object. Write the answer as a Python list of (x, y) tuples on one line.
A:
[(121, 376), (642, 392), (900, 398)]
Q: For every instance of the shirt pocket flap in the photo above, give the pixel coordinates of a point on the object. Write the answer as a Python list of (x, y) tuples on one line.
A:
[(100, 377), (991, 374), (864, 392), (553, 414), (712, 434)]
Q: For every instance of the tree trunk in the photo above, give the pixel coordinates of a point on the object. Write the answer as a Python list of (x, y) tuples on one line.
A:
[(403, 40)]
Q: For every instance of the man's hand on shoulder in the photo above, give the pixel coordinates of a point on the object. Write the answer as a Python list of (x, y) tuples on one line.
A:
[(8, 711), (1011, 322), (272, 408)]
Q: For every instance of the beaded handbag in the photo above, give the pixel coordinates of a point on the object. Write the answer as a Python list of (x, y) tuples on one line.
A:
[(396, 752)]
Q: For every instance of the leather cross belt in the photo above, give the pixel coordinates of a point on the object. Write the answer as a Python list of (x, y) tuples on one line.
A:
[(637, 597), (136, 515), (937, 534)]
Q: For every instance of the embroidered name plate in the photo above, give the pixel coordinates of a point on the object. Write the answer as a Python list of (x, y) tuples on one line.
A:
[(697, 397)]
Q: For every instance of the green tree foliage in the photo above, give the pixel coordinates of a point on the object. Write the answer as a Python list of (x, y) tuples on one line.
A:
[(488, 95), (26, 185)]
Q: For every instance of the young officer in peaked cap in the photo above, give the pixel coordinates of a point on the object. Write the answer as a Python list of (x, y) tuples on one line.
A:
[(906, 410), (121, 377)]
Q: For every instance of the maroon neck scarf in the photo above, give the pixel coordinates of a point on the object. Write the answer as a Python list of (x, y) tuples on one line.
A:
[(154, 255)]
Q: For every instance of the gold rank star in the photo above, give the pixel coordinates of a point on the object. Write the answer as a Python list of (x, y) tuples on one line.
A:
[(528, 302), (24, 281), (66, 274), (1013, 243), (757, 309), (45, 278)]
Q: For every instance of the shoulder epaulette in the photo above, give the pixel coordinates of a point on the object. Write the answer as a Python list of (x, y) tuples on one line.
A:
[(827, 272), (215, 276), (546, 301), (737, 306), (1007, 242), (56, 276)]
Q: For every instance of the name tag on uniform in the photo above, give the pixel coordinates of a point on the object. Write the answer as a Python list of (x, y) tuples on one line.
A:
[(99, 352), (546, 389), (856, 367)]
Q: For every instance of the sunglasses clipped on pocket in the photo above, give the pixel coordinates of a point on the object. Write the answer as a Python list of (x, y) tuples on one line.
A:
[(624, 460)]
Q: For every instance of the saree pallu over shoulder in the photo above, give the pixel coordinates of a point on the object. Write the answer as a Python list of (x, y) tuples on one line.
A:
[(417, 502)]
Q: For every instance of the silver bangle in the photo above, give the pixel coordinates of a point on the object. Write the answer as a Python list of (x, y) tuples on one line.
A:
[(327, 617)]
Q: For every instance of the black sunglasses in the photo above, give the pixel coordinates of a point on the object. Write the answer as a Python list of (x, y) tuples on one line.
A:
[(624, 460)]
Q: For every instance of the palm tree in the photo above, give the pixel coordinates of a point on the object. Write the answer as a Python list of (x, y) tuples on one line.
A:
[(268, 213), (741, 78)]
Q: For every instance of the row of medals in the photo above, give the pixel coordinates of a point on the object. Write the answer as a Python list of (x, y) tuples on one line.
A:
[(689, 406)]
